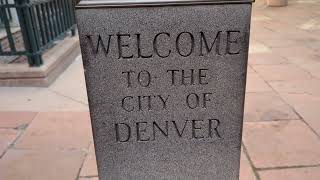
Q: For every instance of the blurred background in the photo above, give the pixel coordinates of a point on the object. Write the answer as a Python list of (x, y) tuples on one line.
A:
[(45, 130)]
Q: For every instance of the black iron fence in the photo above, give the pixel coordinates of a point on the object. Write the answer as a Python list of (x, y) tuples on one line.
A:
[(7, 11), (40, 23)]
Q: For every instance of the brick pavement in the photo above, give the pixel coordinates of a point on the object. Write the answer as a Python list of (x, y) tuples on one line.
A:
[(51, 139)]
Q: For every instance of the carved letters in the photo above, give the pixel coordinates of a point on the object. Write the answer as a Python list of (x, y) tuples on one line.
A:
[(144, 131), (164, 44), (124, 46)]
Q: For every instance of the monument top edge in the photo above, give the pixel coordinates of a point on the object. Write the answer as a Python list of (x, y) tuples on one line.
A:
[(141, 3)]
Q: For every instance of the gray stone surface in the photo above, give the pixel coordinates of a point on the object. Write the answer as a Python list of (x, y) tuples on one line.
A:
[(165, 136), (121, 3)]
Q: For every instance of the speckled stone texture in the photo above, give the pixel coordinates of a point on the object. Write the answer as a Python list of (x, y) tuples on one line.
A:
[(166, 138)]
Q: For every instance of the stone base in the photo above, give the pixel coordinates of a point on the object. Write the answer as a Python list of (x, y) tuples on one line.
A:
[(277, 3), (56, 60)]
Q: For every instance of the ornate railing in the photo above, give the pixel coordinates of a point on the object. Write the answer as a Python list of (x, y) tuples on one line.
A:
[(39, 24)]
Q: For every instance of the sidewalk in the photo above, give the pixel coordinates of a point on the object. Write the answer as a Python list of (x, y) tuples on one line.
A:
[(45, 133)]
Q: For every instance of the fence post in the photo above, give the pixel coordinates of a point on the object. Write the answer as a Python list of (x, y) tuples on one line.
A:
[(73, 18), (28, 29)]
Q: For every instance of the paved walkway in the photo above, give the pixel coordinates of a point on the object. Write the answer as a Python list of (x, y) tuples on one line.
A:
[(45, 132)]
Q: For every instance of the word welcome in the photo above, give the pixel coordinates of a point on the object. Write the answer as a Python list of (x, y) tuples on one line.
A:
[(164, 44)]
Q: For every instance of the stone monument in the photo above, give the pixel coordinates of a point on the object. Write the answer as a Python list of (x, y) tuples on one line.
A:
[(166, 86)]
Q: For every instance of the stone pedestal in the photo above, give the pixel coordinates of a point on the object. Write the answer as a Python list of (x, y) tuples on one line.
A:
[(166, 86)]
